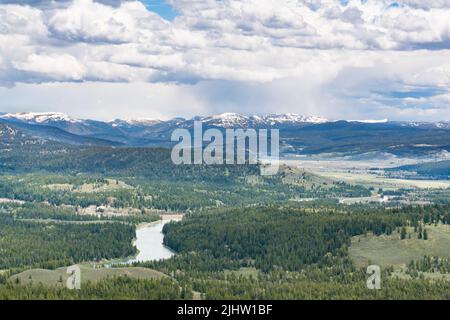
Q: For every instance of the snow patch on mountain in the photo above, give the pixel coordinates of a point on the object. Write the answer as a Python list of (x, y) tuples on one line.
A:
[(293, 118), (40, 117), (226, 120), (230, 119), (370, 121), (427, 125), (133, 122)]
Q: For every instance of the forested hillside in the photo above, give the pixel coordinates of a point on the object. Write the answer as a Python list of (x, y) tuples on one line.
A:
[(289, 238), (433, 170)]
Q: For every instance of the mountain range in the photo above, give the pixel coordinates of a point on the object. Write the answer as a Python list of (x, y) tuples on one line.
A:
[(307, 135)]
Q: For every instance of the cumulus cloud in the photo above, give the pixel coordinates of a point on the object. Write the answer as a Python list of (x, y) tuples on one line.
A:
[(87, 21), (429, 4), (332, 53), (60, 67), (48, 3), (226, 40)]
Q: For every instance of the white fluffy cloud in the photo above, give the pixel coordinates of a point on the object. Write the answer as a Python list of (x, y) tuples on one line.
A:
[(365, 54), (60, 67), (428, 4), (255, 40)]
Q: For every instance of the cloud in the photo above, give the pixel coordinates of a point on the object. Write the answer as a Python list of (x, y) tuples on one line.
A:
[(48, 3), (59, 67), (87, 21), (315, 53), (429, 4), (105, 100), (226, 40)]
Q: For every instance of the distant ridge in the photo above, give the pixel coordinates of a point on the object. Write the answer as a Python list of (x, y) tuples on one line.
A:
[(228, 118), (49, 133), (299, 134)]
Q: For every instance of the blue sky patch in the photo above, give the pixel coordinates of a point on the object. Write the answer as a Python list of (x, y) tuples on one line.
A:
[(162, 8), (415, 93)]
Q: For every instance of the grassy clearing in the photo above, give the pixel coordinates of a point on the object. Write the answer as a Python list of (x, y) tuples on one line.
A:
[(60, 276), (59, 187), (370, 180), (244, 272), (391, 251), (110, 185), (301, 178)]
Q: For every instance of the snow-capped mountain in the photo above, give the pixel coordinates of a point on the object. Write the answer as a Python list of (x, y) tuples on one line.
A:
[(303, 134), (292, 118), (232, 120), (370, 121), (133, 122), (150, 132), (40, 117), (58, 120), (119, 127), (232, 116), (226, 120)]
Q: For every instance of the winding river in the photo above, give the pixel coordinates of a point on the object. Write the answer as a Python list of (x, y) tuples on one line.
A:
[(149, 241)]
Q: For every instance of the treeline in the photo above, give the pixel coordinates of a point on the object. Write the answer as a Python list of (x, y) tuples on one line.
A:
[(340, 281), (429, 264), (167, 194), (287, 238), (119, 288), (288, 288), (276, 285), (430, 214), (136, 162), (51, 245), (31, 189), (43, 212)]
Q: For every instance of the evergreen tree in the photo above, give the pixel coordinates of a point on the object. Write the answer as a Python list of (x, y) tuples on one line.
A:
[(403, 233)]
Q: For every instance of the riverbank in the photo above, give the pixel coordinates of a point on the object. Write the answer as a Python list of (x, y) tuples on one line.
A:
[(149, 240), (164, 217)]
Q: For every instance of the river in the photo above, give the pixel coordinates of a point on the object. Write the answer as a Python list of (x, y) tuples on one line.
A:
[(149, 241)]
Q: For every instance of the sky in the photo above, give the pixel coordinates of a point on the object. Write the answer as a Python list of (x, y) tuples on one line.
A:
[(106, 59), (162, 8)]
